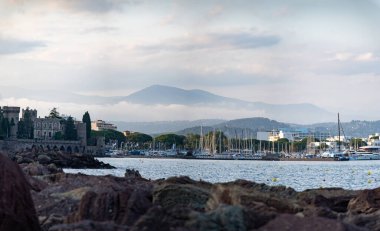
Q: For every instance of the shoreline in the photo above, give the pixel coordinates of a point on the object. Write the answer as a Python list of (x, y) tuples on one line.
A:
[(212, 158)]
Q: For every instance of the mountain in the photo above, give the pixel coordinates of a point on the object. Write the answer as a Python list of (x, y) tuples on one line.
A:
[(195, 101), (157, 94)]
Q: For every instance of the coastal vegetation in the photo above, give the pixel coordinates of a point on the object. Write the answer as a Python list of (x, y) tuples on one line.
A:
[(5, 127), (167, 141), (87, 120), (111, 136)]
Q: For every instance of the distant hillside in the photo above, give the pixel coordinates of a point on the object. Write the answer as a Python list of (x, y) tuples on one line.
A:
[(355, 128), (163, 126), (247, 127)]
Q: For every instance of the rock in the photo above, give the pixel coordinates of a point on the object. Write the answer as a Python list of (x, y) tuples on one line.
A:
[(160, 219), (131, 173), (367, 201), (225, 217), (88, 225), (180, 196), (17, 210), (369, 221), (52, 168), (112, 200), (35, 169), (335, 199), (61, 159), (253, 197), (289, 222), (24, 160), (43, 159), (53, 219)]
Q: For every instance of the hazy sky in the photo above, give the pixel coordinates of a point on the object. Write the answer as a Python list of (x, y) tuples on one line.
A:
[(324, 52)]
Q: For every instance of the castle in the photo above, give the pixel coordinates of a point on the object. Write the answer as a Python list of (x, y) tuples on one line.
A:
[(45, 131)]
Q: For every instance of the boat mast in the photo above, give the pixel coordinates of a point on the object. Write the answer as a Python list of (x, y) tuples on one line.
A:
[(220, 141), (201, 140), (338, 133)]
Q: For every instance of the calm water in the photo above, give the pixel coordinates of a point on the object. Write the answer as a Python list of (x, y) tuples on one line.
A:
[(298, 175)]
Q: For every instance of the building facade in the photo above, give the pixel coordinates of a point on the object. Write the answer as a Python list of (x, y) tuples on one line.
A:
[(100, 125), (46, 128)]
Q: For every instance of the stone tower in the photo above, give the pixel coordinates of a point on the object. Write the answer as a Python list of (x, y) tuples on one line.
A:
[(12, 114)]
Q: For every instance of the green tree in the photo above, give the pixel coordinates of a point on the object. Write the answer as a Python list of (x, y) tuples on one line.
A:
[(169, 139), (70, 130), (2, 131), (26, 126), (137, 137), (87, 120), (192, 141), (58, 136), (109, 135), (5, 127), (54, 113)]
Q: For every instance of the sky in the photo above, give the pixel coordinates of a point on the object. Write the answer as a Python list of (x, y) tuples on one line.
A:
[(323, 52)]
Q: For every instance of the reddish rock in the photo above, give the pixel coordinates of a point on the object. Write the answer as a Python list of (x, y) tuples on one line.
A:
[(17, 212), (367, 201)]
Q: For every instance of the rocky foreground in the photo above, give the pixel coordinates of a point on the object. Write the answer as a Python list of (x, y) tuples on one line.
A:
[(77, 202)]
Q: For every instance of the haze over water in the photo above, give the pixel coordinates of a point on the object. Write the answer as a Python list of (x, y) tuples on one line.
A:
[(300, 175)]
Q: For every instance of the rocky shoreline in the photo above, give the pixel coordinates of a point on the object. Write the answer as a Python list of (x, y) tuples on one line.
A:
[(68, 202), (59, 159)]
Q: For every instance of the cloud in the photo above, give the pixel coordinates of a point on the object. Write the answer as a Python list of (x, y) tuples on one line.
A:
[(365, 57), (100, 29), (14, 46), (233, 40), (90, 6), (342, 56), (216, 10), (350, 63), (95, 6), (362, 57)]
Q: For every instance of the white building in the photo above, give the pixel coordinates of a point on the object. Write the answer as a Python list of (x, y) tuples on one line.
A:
[(291, 134), (101, 125), (268, 135)]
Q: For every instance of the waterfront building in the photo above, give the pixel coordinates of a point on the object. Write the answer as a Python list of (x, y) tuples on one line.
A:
[(292, 134), (127, 133), (100, 125)]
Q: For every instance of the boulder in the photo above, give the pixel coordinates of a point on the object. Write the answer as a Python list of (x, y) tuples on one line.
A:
[(43, 159), (367, 201), (88, 225), (131, 173), (287, 222), (17, 212)]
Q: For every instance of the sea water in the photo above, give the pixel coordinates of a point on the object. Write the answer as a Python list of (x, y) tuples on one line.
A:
[(299, 175)]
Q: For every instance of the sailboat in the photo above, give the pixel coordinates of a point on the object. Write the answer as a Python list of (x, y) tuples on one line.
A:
[(339, 154)]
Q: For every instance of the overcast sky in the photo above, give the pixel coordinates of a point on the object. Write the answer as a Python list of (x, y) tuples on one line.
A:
[(324, 52)]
